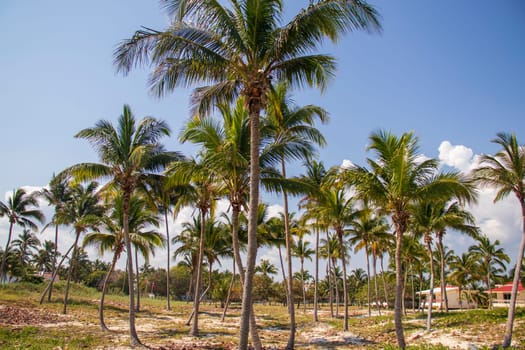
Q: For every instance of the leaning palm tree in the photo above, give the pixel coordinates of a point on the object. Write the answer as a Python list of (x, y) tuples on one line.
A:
[(56, 195), (20, 209), (130, 156), (237, 49), (506, 171), (398, 179), (111, 237)]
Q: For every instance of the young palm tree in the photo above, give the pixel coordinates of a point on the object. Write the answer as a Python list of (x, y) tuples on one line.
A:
[(238, 48), (131, 155), (490, 256), (506, 171), (398, 179), (111, 238), (45, 257), (24, 246), (56, 195), (82, 211), (20, 209), (463, 269), (302, 250)]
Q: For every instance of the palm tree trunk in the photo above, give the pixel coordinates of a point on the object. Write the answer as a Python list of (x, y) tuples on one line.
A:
[(55, 274), (104, 287), (330, 280), (137, 307), (194, 331), (168, 305), (345, 292), (398, 304), (376, 287), (134, 339), (282, 270), (55, 256), (70, 272), (515, 283), (336, 284), (256, 341), (302, 285), (254, 103), (431, 293), (316, 280), (405, 278), (444, 296), (413, 288), (3, 272), (291, 338), (368, 283), (228, 298), (383, 277)]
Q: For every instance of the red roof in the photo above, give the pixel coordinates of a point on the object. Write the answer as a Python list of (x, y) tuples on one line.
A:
[(507, 287)]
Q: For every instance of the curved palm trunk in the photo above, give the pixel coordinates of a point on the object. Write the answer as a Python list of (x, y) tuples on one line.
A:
[(70, 271), (431, 293), (398, 304), (104, 287), (291, 338), (345, 292), (515, 283), (194, 331), (316, 280), (228, 298), (444, 297), (137, 307), (168, 305), (3, 272), (134, 339), (55, 274), (54, 263), (368, 282), (256, 341)]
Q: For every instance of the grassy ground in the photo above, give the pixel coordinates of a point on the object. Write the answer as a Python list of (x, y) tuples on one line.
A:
[(24, 324)]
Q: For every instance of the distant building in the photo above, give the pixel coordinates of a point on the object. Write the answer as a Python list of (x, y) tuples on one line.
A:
[(454, 300), (501, 295)]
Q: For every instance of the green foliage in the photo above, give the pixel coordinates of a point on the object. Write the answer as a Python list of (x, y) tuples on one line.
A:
[(31, 337)]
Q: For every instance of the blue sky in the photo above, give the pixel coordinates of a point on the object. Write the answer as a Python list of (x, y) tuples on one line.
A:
[(447, 70)]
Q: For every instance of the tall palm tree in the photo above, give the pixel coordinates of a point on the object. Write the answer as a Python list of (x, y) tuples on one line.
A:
[(491, 256), (396, 180), (238, 48), (338, 210), (462, 268), (20, 209), (56, 195), (506, 171), (365, 232), (111, 237), (131, 155), (83, 211), (45, 257), (201, 191)]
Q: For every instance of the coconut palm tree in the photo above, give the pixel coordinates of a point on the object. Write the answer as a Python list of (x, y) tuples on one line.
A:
[(396, 180), (238, 48), (45, 257), (20, 209), (462, 270), (111, 237), (202, 189), (491, 256), (506, 171), (131, 156), (266, 268), (301, 249), (56, 195), (24, 246), (83, 211)]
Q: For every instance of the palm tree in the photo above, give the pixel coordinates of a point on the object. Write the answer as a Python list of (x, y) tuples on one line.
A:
[(338, 210), (237, 49), (111, 238), (202, 189), (266, 268), (463, 268), (45, 257), (301, 249), (25, 244), (506, 171), (397, 179), (490, 256), (56, 195), (131, 155), (82, 211), (366, 230), (20, 209)]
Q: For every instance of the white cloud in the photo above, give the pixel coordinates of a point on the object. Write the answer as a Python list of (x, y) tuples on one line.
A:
[(457, 156), (347, 164)]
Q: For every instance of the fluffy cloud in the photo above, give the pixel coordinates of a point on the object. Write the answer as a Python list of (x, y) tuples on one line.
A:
[(456, 156)]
